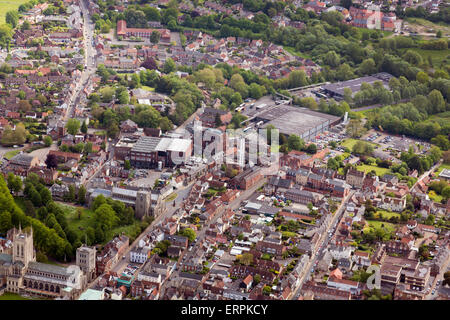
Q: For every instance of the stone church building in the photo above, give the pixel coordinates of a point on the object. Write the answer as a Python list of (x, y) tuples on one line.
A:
[(21, 274)]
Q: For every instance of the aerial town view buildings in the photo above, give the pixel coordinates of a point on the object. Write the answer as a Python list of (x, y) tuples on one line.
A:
[(138, 158)]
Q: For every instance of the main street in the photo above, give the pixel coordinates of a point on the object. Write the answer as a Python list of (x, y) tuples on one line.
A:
[(321, 245), (89, 69)]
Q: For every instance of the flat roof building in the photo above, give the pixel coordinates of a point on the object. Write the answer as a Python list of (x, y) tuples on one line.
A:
[(302, 122), (148, 152), (336, 90)]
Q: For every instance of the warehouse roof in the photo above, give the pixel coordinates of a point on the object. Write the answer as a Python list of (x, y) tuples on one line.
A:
[(295, 120), (146, 144), (355, 84)]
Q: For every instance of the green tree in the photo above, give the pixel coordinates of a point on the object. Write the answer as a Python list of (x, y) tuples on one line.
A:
[(98, 201), (14, 183), (246, 259), (155, 36), (107, 94), (12, 18), (355, 128), (127, 165), (5, 35), (188, 233), (368, 66), (25, 26), (105, 217), (5, 221), (48, 141), (73, 126), (295, 143), (82, 195), (169, 66), (71, 194), (363, 148), (84, 128)]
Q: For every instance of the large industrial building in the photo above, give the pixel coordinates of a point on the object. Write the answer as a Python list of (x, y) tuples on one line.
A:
[(336, 90), (153, 152), (302, 122)]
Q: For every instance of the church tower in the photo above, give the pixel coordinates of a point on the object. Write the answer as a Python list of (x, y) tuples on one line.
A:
[(142, 206), (23, 249)]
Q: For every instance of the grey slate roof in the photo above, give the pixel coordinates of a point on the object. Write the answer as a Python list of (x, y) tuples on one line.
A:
[(49, 268)]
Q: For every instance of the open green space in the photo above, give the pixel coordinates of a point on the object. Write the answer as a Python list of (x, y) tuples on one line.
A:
[(14, 296), (79, 225), (86, 220), (148, 88), (389, 227), (437, 56), (435, 197), (387, 214), (419, 22), (11, 154), (442, 167), (367, 168), (8, 5), (350, 142), (294, 52), (171, 197)]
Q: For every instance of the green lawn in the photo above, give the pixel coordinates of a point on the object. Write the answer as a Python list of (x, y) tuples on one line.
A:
[(171, 197), (78, 225), (13, 296), (131, 231), (7, 5), (377, 224), (294, 52), (367, 168), (87, 220), (435, 197), (442, 167), (148, 88), (11, 154), (388, 214), (349, 143)]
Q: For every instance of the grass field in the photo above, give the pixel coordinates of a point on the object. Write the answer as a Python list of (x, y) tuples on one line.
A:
[(435, 197), (442, 167), (87, 220), (367, 168), (389, 227), (13, 296), (294, 52), (11, 154), (8, 5), (437, 56), (148, 88), (387, 214), (78, 225), (349, 143), (426, 26)]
